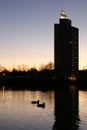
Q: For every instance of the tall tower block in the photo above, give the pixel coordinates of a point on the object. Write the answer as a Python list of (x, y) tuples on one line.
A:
[(65, 48)]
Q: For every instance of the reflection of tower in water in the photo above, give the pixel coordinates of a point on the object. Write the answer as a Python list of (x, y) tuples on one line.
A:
[(3, 92), (66, 109)]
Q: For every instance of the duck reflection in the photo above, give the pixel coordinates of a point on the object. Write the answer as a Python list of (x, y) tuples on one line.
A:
[(66, 109)]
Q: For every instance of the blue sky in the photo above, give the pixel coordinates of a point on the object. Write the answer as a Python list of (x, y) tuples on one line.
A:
[(27, 30)]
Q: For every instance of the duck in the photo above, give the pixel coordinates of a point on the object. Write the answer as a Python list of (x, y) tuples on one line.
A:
[(41, 105), (35, 102)]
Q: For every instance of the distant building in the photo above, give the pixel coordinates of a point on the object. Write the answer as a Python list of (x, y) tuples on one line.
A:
[(65, 48)]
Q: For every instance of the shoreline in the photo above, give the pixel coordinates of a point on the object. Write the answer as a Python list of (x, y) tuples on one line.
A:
[(24, 83)]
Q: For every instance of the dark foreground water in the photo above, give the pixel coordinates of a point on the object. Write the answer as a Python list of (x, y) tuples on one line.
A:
[(64, 109)]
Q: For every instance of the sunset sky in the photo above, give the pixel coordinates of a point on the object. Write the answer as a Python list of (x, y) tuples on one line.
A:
[(27, 30)]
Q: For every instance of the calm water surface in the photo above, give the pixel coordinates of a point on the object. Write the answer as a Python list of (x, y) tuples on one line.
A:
[(18, 113), (83, 109), (64, 109)]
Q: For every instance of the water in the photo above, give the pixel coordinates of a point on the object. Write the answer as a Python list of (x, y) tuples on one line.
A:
[(18, 113), (83, 109), (64, 109)]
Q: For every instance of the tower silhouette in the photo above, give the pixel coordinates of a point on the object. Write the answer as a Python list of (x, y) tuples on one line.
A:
[(65, 48)]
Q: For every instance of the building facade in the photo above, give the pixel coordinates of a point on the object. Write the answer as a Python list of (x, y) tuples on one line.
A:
[(66, 50)]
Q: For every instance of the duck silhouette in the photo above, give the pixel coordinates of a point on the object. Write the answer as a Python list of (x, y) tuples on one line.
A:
[(41, 105), (35, 102)]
